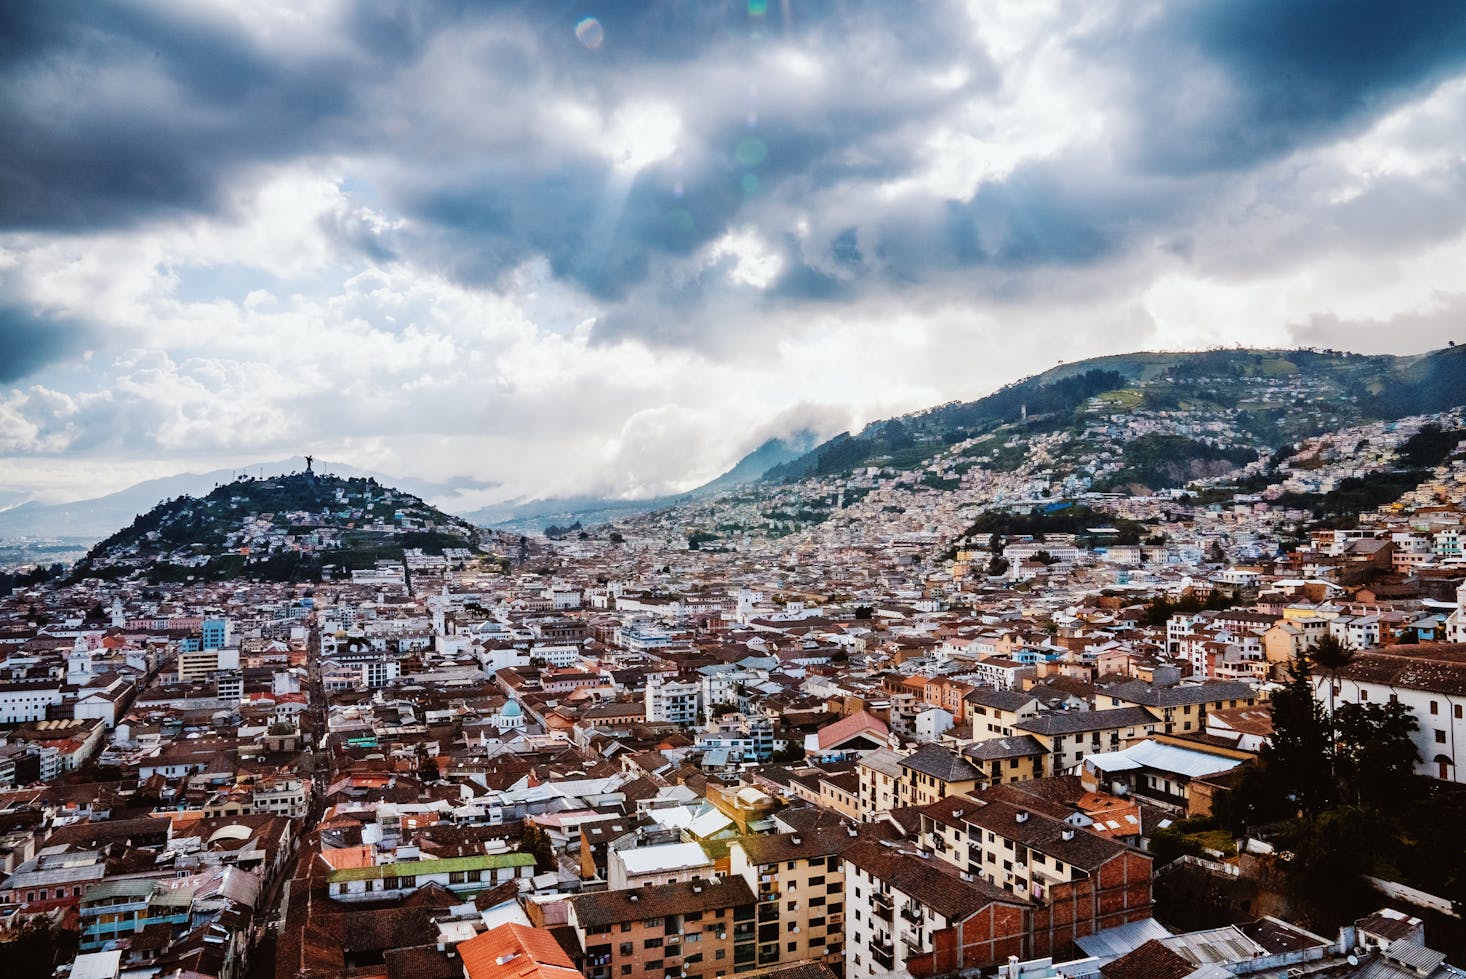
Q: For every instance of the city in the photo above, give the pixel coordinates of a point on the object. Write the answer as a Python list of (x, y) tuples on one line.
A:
[(730, 489)]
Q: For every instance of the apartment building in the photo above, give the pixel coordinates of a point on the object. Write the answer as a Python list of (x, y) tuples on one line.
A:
[(697, 929), (879, 790), (907, 910), (933, 772), (672, 701), (1077, 882), (1068, 736), (800, 882), (1182, 708), (993, 712)]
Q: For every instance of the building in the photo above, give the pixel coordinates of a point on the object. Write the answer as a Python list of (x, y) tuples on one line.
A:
[(906, 910), (27, 700), (1077, 882), (672, 701), (933, 772), (1430, 680), (1066, 737), (697, 929), (800, 882), (461, 875), (514, 951), (1182, 708)]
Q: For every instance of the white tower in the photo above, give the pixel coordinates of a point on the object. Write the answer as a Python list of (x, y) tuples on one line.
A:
[(119, 618), (1456, 621), (79, 664)]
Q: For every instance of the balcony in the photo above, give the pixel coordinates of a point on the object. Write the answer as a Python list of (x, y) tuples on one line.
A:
[(769, 911), (883, 953), (915, 944), (911, 911), (881, 905)]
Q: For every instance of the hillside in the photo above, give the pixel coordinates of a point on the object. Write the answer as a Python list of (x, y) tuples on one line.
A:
[(88, 521), (295, 527), (1213, 410)]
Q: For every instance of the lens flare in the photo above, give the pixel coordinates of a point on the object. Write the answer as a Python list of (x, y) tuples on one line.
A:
[(590, 33)]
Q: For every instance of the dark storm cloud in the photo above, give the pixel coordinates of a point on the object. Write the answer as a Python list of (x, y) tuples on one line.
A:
[(116, 113), (29, 342), (1290, 74)]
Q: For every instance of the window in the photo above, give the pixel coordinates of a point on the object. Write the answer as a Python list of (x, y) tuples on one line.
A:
[(625, 926), (652, 943), (1435, 708), (1440, 736), (627, 948), (626, 969), (1364, 695), (1458, 712)]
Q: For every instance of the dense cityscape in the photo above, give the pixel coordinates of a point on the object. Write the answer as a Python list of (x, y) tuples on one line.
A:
[(731, 489), (968, 715)]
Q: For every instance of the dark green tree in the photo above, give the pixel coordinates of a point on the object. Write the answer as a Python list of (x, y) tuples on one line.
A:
[(1296, 759), (1375, 754)]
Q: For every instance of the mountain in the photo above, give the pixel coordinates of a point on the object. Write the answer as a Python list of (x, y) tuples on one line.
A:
[(1208, 412), (534, 515), (91, 520), (279, 528)]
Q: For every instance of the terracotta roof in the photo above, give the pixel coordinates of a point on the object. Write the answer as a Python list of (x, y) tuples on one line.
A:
[(514, 951), (1150, 961), (1436, 668), (859, 723)]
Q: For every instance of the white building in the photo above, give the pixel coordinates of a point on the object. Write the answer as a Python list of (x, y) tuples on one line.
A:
[(672, 701), (1430, 680)]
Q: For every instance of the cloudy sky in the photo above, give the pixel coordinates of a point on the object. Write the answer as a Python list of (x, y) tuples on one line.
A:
[(548, 247)]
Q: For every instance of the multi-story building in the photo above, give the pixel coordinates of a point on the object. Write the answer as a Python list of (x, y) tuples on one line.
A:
[(464, 876), (993, 712), (879, 773), (1182, 708), (697, 929), (672, 701), (933, 772), (199, 664), (1068, 736), (800, 882), (1078, 882), (907, 910), (27, 700)]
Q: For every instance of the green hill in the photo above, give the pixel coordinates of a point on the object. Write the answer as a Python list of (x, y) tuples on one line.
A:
[(1210, 410), (282, 528)]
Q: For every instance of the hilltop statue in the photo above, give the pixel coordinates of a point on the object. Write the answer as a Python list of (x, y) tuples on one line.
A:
[(308, 461)]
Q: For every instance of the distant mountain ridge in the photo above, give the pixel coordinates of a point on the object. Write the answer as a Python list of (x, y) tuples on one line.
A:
[(533, 515)]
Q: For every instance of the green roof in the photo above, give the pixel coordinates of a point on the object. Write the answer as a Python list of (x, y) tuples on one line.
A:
[(419, 868), (120, 888)]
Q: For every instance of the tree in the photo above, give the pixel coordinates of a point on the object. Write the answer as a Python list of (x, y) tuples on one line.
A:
[(1331, 655), (1375, 754), (1295, 760)]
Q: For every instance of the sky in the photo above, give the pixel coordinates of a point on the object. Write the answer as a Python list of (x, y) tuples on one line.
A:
[(539, 248)]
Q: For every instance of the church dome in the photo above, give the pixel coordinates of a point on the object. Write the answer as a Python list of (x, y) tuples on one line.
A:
[(511, 709)]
